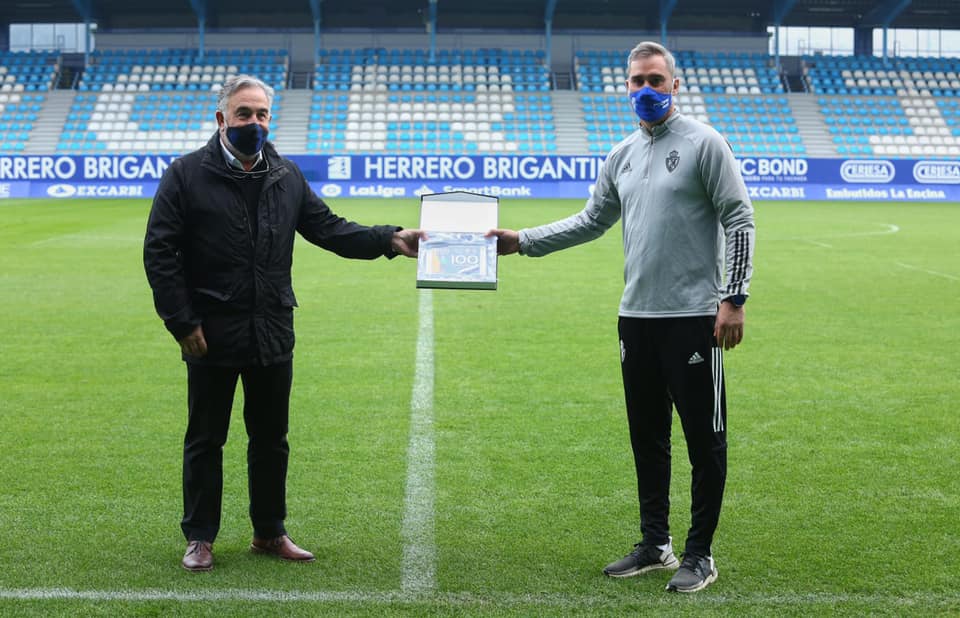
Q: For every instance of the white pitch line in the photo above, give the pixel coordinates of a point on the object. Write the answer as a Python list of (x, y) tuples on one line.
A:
[(85, 240), (929, 272), (918, 599), (889, 228), (419, 570)]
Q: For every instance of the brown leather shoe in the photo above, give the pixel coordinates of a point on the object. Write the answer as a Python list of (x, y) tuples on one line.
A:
[(282, 547), (199, 556)]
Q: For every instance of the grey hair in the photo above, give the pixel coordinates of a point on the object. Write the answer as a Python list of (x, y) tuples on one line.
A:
[(239, 82), (649, 48)]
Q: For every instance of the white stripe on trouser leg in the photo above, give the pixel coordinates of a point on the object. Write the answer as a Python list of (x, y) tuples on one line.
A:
[(717, 361), (418, 571)]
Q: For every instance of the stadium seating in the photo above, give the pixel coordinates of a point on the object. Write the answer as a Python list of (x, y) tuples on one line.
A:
[(753, 124), (162, 122), (608, 119), (19, 113), (143, 101), (869, 75), (479, 101), (27, 71), (185, 69), (396, 70), (719, 73), (474, 101), (893, 107), (892, 127), (24, 78), (426, 123), (741, 95)]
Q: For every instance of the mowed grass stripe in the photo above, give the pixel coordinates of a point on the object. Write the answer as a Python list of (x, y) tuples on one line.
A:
[(419, 547)]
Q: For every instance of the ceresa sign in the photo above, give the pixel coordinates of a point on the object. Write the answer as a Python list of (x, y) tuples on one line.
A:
[(867, 171), (937, 172)]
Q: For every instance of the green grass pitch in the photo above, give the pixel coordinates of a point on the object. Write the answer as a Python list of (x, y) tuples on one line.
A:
[(843, 495)]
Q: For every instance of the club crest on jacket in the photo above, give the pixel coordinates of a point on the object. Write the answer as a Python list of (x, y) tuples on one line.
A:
[(672, 160)]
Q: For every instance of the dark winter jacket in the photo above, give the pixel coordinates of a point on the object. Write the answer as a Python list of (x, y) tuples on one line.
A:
[(205, 267)]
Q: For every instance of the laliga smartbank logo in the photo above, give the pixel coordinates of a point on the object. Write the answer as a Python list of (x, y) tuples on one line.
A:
[(867, 171), (61, 190), (937, 172)]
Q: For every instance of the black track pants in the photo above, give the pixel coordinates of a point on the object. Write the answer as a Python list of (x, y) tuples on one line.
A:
[(670, 362)]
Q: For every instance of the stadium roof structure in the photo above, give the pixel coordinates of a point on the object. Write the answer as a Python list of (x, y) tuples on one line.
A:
[(566, 15)]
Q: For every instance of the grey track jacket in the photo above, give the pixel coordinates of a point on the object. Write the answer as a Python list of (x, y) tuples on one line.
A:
[(686, 214)]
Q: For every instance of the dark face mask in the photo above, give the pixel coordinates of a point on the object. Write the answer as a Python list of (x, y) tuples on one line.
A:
[(248, 139)]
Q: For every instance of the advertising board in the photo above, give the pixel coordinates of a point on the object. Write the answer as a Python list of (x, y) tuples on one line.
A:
[(502, 176)]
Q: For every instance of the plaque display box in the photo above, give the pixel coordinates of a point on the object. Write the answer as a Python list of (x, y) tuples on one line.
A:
[(456, 254)]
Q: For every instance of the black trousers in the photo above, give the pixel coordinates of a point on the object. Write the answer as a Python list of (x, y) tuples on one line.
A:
[(670, 362), (210, 392)]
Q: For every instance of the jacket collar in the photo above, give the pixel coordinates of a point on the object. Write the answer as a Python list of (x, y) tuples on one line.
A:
[(213, 158), (234, 162), (660, 128)]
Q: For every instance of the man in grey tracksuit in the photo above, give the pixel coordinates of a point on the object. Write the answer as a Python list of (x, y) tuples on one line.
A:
[(686, 218)]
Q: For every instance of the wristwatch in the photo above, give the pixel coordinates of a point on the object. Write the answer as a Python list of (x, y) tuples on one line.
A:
[(737, 300)]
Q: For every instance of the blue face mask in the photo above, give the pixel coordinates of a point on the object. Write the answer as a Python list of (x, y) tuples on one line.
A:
[(649, 104), (248, 138)]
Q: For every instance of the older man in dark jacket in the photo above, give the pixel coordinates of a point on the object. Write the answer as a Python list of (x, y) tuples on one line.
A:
[(218, 253)]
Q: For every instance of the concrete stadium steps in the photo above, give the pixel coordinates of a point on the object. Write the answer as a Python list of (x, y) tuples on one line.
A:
[(290, 130), (813, 131), (571, 130), (50, 120)]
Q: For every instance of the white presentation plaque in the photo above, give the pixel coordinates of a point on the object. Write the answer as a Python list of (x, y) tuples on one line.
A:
[(456, 254)]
